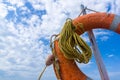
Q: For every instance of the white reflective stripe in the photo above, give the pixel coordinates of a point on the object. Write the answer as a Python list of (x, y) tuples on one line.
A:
[(115, 23)]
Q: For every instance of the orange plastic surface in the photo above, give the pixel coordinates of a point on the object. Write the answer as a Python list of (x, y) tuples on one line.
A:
[(68, 68), (93, 21)]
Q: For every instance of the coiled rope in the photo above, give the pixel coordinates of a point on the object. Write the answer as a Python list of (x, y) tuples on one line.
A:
[(72, 45)]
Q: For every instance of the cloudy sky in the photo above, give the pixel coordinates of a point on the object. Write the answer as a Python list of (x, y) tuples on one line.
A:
[(25, 30)]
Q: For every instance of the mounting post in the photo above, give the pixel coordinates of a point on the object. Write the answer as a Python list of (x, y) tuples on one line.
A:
[(100, 64)]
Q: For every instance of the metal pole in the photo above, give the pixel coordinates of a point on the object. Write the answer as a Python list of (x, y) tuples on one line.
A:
[(101, 66)]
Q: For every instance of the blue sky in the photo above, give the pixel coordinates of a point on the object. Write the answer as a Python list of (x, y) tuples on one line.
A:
[(25, 30)]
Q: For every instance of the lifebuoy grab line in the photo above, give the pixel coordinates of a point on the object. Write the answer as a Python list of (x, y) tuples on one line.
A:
[(98, 20)]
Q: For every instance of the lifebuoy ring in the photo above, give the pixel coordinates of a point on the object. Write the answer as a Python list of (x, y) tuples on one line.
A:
[(68, 68)]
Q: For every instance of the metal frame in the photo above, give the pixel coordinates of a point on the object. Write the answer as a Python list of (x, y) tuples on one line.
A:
[(96, 52)]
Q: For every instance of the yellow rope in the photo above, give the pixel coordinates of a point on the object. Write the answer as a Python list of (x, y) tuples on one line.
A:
[(72, 45)]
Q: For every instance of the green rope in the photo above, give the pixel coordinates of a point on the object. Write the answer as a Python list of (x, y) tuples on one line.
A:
[(72, 45)]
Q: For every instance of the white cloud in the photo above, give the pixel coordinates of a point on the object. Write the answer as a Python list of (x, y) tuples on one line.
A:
[(104, 38), (111, 55), (38, 4), (85, 65), (11, 8), (18, 3), (19, 49), (117, 7), (114, 75), (3, 10)]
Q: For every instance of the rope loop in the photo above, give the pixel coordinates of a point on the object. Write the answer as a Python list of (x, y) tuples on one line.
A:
[(80, 27), (56, 61), (72, 45)]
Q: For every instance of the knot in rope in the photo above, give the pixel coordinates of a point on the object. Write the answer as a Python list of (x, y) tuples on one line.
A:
[(72, 45)]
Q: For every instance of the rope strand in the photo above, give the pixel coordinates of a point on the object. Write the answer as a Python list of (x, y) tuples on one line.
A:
[(72, 45), (42, 72)]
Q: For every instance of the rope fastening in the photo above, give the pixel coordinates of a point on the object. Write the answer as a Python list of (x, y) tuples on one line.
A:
[(72, 45)]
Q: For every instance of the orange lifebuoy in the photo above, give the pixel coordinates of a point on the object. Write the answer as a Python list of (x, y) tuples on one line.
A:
[(68, 68)]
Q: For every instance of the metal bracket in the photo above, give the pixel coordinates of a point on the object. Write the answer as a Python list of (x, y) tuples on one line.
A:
[(100, 64)]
